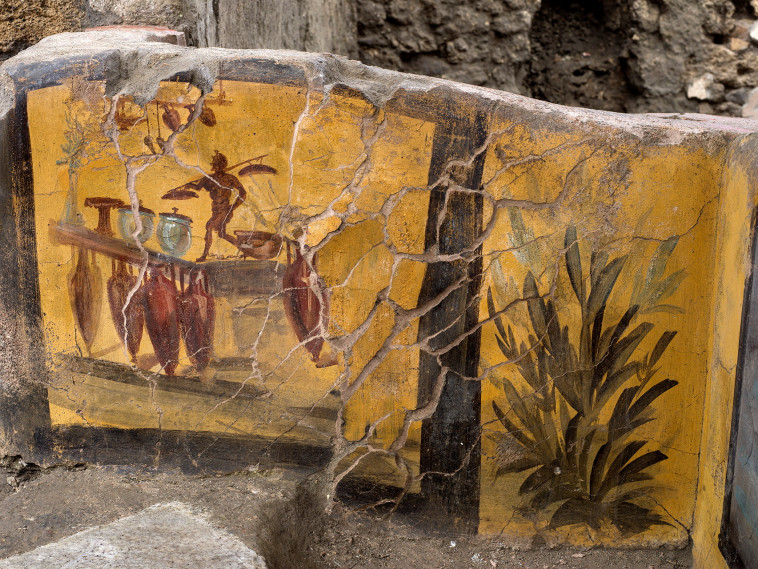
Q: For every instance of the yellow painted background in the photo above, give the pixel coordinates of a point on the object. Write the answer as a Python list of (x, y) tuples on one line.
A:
[(342, 157), (624, 198), (732, 266), (331, 172)]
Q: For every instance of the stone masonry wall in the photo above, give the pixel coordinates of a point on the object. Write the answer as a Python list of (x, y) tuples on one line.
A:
[(620, 55), (484, 42), (306, 25)]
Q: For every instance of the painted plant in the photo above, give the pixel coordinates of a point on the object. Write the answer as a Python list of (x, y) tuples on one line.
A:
[(309, 278), (582, 390)]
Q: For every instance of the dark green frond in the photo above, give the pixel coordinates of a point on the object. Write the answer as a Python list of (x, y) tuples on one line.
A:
[(620, 416), (661, 258), (570, 436), (543, 475), (492, 311), (660, 347), (598, 261), (598, 468), (623, 324), (584, 456), (535, 305), (512, 429), (505, 349), (597, 329), (603, 286), (632, 470), (574, 264), (664, 308), (631, 518), (647, 398), (619, 353), (615, 381), (612, 476), (665, 288), (518, 465), (576, 511)]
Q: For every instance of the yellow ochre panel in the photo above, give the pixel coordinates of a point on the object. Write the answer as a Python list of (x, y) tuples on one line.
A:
[(316, 270)]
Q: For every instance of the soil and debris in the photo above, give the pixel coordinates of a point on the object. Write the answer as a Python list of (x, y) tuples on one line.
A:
[(270, 513)]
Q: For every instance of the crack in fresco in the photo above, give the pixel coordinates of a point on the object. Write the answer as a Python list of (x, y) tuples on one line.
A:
[(348, 354)]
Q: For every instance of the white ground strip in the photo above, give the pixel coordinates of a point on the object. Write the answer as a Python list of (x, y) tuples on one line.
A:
[(166, 536)]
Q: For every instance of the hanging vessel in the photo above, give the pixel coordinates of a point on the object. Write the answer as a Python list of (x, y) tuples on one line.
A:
[(85, 292), (197, 317), (162, 319), (174, 233), (171, 117), (129, 319), (207, 116), (307, 309)]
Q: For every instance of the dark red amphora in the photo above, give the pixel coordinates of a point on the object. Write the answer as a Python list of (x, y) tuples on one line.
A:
[(128, 313), (162, 318), (306, 302), (197, 317), (85, 291)]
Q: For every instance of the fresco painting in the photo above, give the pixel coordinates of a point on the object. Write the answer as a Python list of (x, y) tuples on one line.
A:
[(469, 314), (572, 381)]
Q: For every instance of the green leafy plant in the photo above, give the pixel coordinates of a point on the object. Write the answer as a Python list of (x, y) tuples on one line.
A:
[(558, 425), (84, 143)]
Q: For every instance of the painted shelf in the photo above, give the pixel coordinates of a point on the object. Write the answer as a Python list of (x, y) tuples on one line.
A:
[(121, 373), (226, 277)]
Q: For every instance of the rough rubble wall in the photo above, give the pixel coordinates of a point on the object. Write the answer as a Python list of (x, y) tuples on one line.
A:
[(24, 22), (484, 42), (619, 55), (306, 25)]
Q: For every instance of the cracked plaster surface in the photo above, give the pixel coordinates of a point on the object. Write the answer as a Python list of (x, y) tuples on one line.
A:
[(629, 184)]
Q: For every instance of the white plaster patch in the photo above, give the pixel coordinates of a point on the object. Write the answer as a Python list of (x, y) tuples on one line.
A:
[(163, 536)]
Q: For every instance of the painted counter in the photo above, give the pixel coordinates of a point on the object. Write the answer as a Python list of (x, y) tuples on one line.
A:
[(495, 314)]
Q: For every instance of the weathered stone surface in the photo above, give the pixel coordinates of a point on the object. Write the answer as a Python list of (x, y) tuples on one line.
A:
[(621, 55), (161, 537), (494, 314), (23, 23), (750, 106), (305, 25), (169, 13), (705, 88), (480, 42)]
